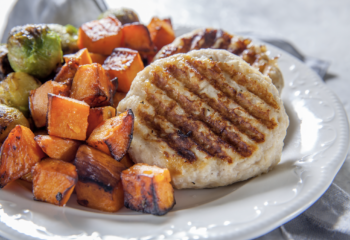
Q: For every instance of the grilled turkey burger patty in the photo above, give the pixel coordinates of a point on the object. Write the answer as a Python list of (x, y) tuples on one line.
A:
[(255, 55), (208, 117)]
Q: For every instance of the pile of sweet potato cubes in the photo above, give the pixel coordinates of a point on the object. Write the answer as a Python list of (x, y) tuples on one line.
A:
[(85, 147)]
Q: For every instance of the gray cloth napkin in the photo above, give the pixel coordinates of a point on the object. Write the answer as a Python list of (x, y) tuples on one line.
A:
[(328, 218)]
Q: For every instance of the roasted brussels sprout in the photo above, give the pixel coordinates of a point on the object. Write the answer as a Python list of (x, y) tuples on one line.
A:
[(124, 15), (9, 118), (68, 35), (5, 67), (15, 88), (34, 49)]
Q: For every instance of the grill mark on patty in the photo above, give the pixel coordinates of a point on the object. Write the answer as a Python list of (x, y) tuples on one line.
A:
[(201, 134), (236, 116), (216, 78), (252, 86), (176, 140), (199, 110)]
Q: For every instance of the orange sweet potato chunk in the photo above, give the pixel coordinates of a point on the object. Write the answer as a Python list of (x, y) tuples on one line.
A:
[(92, 85), (114, 135), (147, 189), (124, 64), (161, 32), (99, 184), (98, 58), (101, 36), (67, 73), (19, 153), (81, 57), (137, 37), (118, 96), (54, 181), (67, 117), (58, 148), (97, 116), (38, 100)]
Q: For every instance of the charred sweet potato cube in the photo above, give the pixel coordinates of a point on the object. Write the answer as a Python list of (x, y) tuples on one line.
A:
[(137, 37), (118, 96), (161, 31), (147, 189), (92, 85), (19, 153), (99, 184), (58, 148), (97, 116), (38, 100), (124, 64), (67, 117), (126, 161), (98, 58), (81, 57), (54, 181), (114, 135), (67, 72), (101, 36), (69, 69)]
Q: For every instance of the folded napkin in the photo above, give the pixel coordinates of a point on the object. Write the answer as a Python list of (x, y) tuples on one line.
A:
[(328, 218)]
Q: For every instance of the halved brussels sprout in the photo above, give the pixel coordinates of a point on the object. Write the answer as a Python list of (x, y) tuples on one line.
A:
[(124, 15), (15, 88), (68, 35), (9, 118), (34, 49)]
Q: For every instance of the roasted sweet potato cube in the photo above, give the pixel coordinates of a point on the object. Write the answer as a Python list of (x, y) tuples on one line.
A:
[(99, 184), (54, 181), (126, 161), (67, 72), (137, 37), (114, 135), (58, 148), (92, 85), (98, 58), (147, 189), (124, 64), (67, 117), (101, 36), (161, 32), (118, 96), (97, 116), (19, 153), (103, 198), (38, 100), (81, 57)]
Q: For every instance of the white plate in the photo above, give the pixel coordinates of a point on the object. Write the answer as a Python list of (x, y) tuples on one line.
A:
[(315, 148)]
